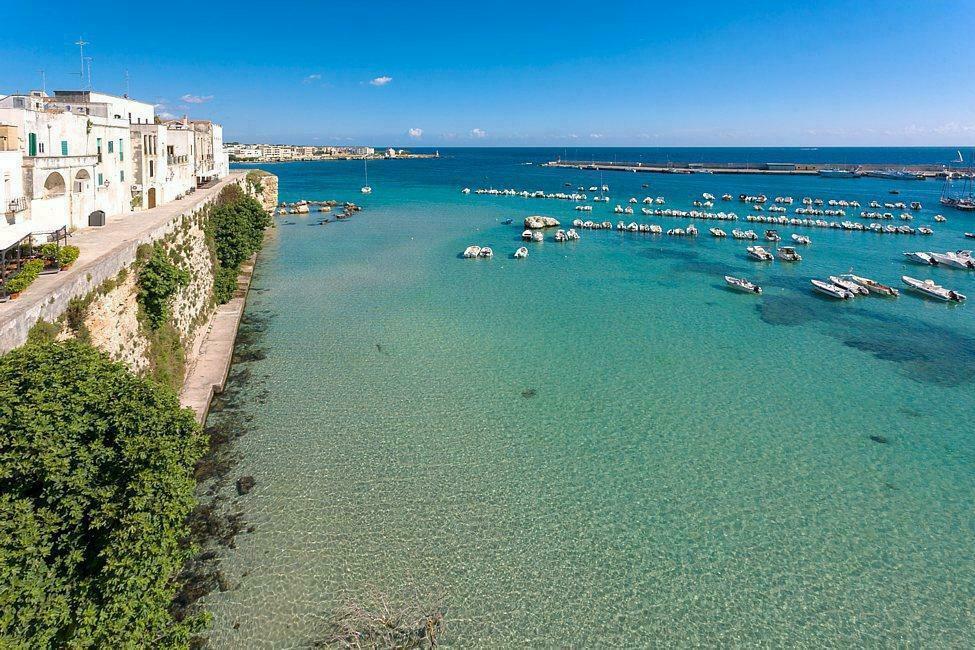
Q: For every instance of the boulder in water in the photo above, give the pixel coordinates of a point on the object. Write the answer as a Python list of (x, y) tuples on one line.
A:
[(535, 222)]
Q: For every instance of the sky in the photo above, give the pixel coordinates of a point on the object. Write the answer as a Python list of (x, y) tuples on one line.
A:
[(539, 73)]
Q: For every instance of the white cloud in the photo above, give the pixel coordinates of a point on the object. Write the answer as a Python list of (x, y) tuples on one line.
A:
[(166, 116), (381, 81), (312, 77), (478, 133), (196, 99), (416, 133), (595, 136)]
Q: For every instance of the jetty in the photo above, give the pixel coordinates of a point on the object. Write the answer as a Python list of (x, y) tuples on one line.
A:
[(766, 168)]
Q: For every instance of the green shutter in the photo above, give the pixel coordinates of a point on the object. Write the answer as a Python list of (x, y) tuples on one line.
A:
[(64, 147), (120, 149), (32, 144), (111, 146), (100, 179), (121, 176)]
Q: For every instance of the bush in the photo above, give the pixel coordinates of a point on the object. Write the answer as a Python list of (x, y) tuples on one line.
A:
[(95, 490), (49, 251), (67, 255), (27, 274), (236, 225), (159, 279)]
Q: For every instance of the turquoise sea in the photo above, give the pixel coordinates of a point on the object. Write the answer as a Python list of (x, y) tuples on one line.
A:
[(600, 446)]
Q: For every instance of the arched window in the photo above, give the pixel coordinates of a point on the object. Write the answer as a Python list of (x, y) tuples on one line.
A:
[(54, 185), (81, 181)]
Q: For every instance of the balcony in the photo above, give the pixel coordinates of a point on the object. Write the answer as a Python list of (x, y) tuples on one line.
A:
[(59, 162)]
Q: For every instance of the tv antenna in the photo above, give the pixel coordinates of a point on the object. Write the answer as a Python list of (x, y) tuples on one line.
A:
[(81, 43), (126, 83), (88, 62), (43, 82)]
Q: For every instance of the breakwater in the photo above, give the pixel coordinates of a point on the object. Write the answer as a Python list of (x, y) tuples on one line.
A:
[(769, 168)]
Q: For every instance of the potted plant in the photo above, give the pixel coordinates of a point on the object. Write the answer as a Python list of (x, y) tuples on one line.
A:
[(27, 274), (67, 255)]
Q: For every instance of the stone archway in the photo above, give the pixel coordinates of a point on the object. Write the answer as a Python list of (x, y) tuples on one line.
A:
[(54, 185), (81, 180)]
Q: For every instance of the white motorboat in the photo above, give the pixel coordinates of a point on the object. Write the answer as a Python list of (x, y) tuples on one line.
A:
[(486, 253), (521, 253), (691, 230), (772, 235), (759, 253), (970, 235), (560, 236), (466, 190), (472, 251), (676, 232), (741, 284), (849, 285), (872, 285), (939, 218), (527, 235), (788, 254), (829, 289), (537, 237), (954, 260), (932, 290), (717, 232), (921, 258), (572, 235), (618, 209), (801, 239)]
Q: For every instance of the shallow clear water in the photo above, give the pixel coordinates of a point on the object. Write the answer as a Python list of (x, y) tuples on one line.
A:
[(695, 466)]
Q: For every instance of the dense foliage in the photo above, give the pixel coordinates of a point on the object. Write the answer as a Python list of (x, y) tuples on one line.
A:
[(95, 489), (236, 224), (63, 255), (159, 279), (25, 276)]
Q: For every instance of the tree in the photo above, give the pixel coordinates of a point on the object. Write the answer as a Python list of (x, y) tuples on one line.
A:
[(95, 490)]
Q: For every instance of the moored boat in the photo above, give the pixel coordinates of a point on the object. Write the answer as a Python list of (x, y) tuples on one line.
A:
[(759, 253), (486, 253), (931, 290), (921, 258), (801, 239), (959, 260), (849, 285), (472, 251), (741, 284), (831, 290), (788, 254), (521, 253), (717, 232), (527, 235), (871, 285)]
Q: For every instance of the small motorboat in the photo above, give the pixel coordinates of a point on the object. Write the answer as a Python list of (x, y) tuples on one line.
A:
[(560, 236), (486, 253), (970, 235), (915, 205), (939, 218), (930, 289), (537, 237), (921, 258), (759, 253), (472, 251), (772, 235), (508, 222), (831, 290), (871, 285), (741, 284), (466, 190), (527, 235), (572, 235), (717, 232), (924, 230), (849, 285), (521, 253), (691, 231), (788, 254), (959, 260), (801, 239)]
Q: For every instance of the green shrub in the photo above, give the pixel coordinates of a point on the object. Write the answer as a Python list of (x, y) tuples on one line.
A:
[(95, 490), (27, 274), (49, 251), (236, 226), (159, 279), (67, 255), (42, 332)]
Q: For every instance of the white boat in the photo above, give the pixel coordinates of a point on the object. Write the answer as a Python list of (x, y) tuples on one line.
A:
[(537, 237), (472, 251), (365, 189), (466, 190), (849, 285), (521, 253), (871, 285), (691, 231), (788, 254), (572, 235), (741, 284), (717, 232), (527, 235), (831, 290), (932, 290), (486, 253), (920, 258), (560, 236), (801, 239), (939, 218), (759, 253), (772, 235), (970, 235), (954, 260)]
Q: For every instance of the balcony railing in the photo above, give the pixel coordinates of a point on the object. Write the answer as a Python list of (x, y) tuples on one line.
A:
[(17, 205), (59, 162)]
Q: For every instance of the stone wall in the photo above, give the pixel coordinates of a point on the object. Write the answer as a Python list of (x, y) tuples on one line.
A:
[(102, 304)]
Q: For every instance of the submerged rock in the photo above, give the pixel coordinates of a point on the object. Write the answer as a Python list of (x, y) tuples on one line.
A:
[(528, 393), (879, 439), (245, 484)]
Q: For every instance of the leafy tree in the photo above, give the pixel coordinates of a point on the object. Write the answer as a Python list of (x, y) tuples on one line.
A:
[(95, 489), (237, 223), (159, 279)]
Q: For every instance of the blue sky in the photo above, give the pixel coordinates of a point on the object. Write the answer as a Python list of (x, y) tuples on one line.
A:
[(566, 74)]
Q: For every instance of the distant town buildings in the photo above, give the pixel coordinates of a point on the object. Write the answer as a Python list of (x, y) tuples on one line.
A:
[(240, 152), (75, 157)]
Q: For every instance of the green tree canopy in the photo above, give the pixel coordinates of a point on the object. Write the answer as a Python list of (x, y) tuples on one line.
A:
[(95, 489)]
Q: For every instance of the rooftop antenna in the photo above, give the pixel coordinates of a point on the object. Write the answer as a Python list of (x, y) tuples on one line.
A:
[(81, 43), (126, 83), (88, 61), (43, 82)]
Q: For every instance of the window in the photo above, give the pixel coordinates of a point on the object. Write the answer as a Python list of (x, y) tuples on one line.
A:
[(111, 146), (100, 180), (120, 149), (98, 145), (121, 176), (152, 169), (40, 147), (64, 147)]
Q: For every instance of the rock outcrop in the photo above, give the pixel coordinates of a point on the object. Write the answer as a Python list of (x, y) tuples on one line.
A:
[(536, 222)]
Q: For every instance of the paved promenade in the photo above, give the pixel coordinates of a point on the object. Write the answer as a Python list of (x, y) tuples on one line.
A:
[(104, 252)]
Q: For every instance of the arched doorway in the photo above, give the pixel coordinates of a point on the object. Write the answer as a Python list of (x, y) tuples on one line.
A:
[(54, 185), (151, 198), (81, 181)]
